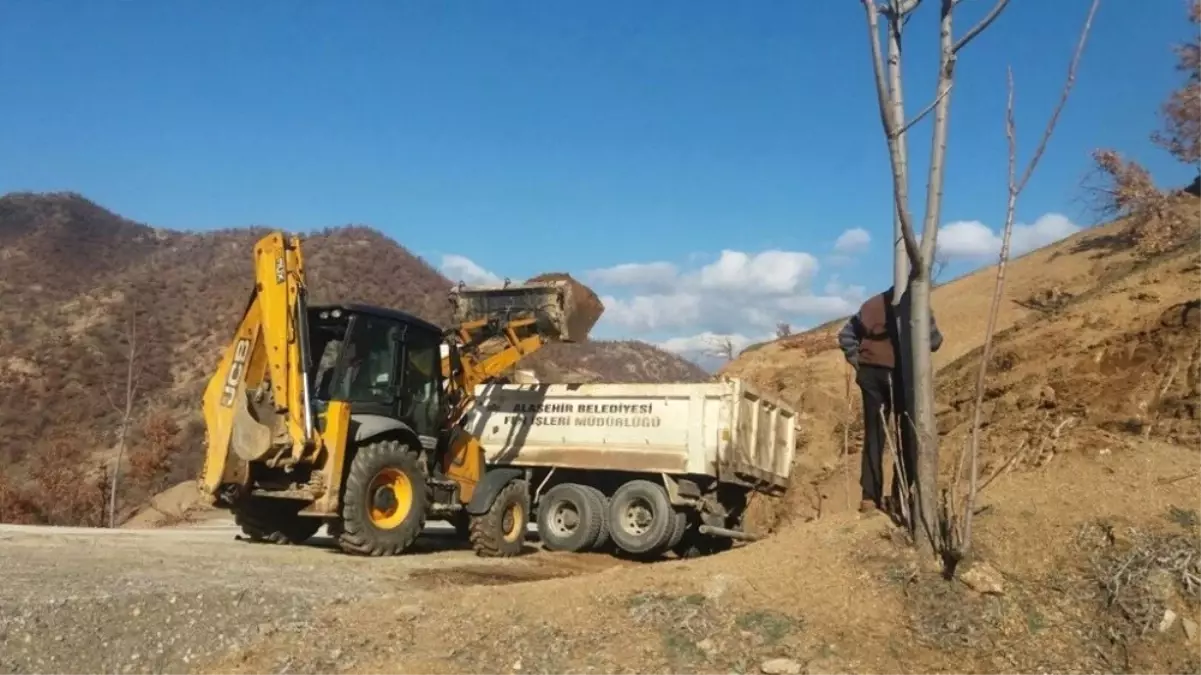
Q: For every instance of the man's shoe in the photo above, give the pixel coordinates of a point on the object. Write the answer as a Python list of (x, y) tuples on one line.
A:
[(867, 506)]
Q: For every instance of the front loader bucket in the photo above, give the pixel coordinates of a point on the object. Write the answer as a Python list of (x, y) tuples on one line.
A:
[(566, 310)]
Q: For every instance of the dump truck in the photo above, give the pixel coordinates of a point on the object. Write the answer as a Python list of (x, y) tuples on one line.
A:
[(349, 415), (642, 468)]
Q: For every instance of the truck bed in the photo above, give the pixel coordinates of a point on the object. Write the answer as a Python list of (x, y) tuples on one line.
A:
[(725, 429)]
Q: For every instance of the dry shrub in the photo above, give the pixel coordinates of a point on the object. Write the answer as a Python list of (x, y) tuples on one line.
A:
[(14, 503), (62, 489), (1141, 574), (1125, 188), (1181, 113), (154, 453)]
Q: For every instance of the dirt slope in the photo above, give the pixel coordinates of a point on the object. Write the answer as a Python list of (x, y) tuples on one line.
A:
[(71, 274)]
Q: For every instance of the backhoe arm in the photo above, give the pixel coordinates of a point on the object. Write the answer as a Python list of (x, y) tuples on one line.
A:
[(258, 401)]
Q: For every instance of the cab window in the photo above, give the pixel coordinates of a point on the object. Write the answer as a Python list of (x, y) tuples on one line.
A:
[(368, 362)]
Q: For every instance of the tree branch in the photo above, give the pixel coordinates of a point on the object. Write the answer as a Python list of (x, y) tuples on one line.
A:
[(900, 191), (979, 28), (1015, 188), (1063, 96), (925, 111), (900, 8)]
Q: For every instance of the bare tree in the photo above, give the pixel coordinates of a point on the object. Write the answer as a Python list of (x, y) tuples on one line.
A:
[(722, 346), (889, 89), (783, 329), (1121, 187), (124, 406), (961, 523)]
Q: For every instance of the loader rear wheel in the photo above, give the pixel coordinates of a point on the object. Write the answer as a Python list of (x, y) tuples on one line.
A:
[(641, 518), (500, 532), (275, 521), (384, 502), (571, 517)]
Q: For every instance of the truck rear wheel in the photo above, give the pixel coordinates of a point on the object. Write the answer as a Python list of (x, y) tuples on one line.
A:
[(384, 502), (275, 521), (572, 518), (641, 518), (500, 532)]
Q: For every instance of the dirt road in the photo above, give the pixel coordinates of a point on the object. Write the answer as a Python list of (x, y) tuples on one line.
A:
[(133, 601)]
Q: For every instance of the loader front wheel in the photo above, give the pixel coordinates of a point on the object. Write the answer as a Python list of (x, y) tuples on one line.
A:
[(384, 502), (500, 532), (275, 521)]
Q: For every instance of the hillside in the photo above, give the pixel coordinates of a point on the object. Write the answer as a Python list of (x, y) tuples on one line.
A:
[(1096, 345), (72, 275)]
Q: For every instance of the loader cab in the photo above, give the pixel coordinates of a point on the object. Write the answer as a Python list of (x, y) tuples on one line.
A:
[(381, 361)]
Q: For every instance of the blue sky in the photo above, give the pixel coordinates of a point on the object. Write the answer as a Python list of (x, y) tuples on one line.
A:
[(628, 143)]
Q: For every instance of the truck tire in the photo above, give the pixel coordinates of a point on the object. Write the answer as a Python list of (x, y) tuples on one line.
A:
[(571, 517), (500, 531), (641, 518), (275, 521), (602, 537), (680, 529), (384, 501)]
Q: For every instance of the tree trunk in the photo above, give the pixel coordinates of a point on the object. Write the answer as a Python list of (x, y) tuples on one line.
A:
[(116, 478), (921, 404), (900, 272)]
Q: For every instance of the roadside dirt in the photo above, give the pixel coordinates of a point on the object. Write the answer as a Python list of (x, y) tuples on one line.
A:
[(169, 600), (839, 594)]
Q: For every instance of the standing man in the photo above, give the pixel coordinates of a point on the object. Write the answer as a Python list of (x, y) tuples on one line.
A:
[(871, 344)]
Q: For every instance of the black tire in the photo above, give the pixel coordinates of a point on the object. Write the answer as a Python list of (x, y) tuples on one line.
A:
[(571, 517), (680, 526), (641, 518), (500, 532), (275, 521), (384, 501), (602, 537)]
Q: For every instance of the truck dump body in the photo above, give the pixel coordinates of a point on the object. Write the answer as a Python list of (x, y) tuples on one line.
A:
[(725, 430)]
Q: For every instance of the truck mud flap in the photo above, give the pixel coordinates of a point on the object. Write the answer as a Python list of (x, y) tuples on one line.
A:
[(494, 481)]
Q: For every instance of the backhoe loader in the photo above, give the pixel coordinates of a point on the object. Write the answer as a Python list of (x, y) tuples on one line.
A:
[(352, 416)]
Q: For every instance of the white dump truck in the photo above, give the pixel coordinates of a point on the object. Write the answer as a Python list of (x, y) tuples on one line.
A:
[(648, 468)]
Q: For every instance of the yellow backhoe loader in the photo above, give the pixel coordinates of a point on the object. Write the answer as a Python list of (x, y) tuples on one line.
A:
[(350, 415)]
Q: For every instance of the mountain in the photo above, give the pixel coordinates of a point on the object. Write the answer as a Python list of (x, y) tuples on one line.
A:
[(77, 280)]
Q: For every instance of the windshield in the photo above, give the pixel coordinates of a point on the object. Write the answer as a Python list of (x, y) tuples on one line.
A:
[(368, 362)]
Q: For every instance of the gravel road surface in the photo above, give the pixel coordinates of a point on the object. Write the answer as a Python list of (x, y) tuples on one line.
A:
[(142, 601)]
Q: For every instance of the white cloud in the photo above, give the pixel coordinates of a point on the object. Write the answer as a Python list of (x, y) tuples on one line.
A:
[(854, 240), (973, 240), (740, 292), (710, 343), (709, 349), (461, 268), (642, 275), (769, 271)]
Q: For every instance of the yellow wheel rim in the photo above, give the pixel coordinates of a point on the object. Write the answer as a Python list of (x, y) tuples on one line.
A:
[(391, 496), (514, 517)]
